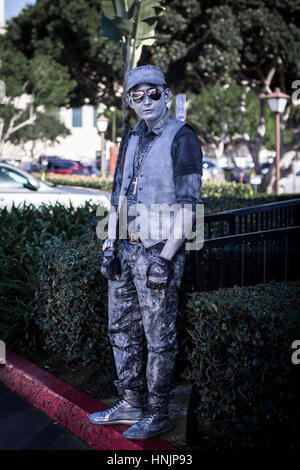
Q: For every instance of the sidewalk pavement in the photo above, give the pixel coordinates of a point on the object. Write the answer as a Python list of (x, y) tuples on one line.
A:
[(68, 406), (23, 427)]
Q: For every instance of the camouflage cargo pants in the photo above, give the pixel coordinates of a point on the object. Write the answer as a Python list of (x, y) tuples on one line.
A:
[(133, 308)]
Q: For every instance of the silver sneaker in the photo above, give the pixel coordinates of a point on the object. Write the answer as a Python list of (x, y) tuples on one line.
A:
[(127, 410), (151, 425)]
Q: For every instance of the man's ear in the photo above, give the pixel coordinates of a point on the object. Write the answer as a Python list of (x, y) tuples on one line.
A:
[(168, 95)]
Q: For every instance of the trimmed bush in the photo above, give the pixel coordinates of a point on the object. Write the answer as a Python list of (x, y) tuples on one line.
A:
[(213, 205), (209, 189), (71, 302), (25, 234), (238, 343), (248, 387), (96, 182), (217, 196)]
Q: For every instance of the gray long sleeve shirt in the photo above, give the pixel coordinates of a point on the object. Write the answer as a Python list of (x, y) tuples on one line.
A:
[(187, 163)]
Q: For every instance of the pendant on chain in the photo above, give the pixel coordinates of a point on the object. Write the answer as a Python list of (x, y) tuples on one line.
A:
[(135, 182)]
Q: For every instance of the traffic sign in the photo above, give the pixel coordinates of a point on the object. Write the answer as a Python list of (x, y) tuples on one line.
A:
[(181, 107)]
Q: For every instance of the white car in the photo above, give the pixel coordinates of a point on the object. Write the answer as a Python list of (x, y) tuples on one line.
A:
[(290, 183), (17, 186)]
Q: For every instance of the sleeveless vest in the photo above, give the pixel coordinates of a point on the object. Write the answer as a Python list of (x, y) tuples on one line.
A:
[(155, 187)]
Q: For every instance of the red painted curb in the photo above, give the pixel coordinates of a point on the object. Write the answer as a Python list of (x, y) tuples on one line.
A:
[(68, 406)]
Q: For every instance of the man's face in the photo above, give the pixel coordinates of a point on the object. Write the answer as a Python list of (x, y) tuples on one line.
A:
[(150, 110)]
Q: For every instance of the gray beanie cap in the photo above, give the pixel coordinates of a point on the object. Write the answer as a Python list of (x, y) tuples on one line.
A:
[(145, 74)]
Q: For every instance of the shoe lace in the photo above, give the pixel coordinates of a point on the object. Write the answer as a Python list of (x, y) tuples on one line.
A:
[(149, 416), (117, 404), (146, 420)]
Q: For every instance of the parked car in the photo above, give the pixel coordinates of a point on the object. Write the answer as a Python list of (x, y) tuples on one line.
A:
[(290, 183), (66, 167), (287, 184), (211, 171), (31, 167), (18, 186)]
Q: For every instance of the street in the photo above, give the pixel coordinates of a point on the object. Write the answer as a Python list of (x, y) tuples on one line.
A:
[(23, 427)]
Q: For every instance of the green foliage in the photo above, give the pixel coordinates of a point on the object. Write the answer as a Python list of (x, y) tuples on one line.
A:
[(71, 301), (47, 127), (241, 362), (50, 81), (226, 189), (134, 18), (221, 40), (213, 205), (14, 68), (203, 112), (118, 121), (82, 181), (217, 197), (66, 34), (209, 189), (26, 233)]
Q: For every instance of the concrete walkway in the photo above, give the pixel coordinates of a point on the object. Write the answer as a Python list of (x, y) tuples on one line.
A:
[(24, 427), (68, 406)]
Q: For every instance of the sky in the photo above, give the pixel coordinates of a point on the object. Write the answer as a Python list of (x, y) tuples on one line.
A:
[(13, 7)]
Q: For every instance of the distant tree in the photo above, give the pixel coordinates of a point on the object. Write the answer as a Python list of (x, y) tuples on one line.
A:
[(28, 83), (46, 130), (214, 114), (68, 32), (200, 43), (254, 42)]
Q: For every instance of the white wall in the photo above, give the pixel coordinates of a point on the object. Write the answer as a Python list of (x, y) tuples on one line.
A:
[(83, 142)]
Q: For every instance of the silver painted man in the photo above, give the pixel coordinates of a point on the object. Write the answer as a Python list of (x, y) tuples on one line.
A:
[(161, 163)]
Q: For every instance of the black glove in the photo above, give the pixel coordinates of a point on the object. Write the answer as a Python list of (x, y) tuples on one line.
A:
[(158, 273), (110, 265)]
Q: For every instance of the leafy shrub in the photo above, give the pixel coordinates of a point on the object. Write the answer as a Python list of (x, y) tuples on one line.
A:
[(103, 184), (71, 301), (226, 189), (215, 204), (248, 388), (25, 233), (217, 196)]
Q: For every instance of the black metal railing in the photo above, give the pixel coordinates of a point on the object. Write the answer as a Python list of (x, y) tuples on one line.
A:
[(244, 247), (248, 259), (248, 246), (253, 219)]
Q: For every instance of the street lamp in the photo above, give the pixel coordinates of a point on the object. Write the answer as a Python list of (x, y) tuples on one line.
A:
[(102, 123), (277, 102)]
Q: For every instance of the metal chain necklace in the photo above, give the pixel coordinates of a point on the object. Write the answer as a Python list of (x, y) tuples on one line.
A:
[(138, 164)]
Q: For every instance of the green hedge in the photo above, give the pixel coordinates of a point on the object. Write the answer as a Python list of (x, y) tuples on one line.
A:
[(248, 388), (238, 342), (102, 184), (213, 205), (217, 196), (25, 234), (209, 189), (71, 301)]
